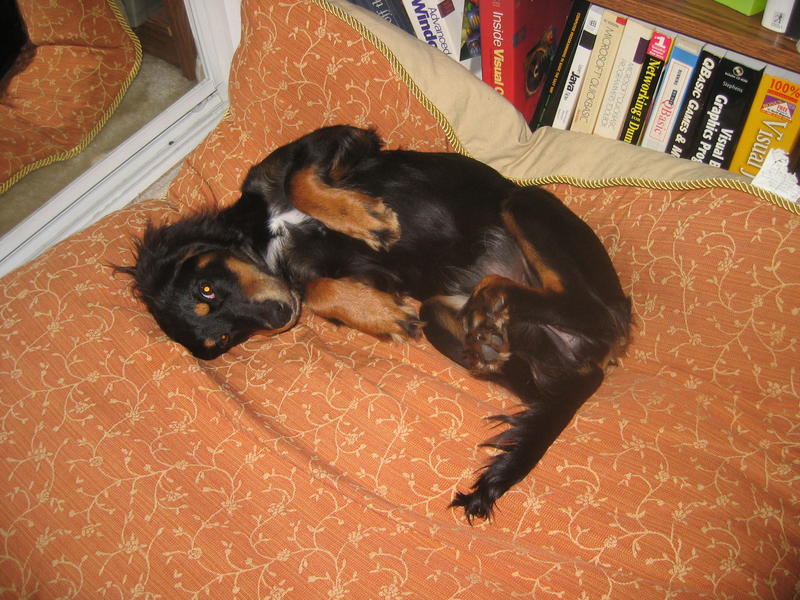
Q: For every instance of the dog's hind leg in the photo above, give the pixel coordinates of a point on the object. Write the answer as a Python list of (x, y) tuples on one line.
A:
[(521, 338)]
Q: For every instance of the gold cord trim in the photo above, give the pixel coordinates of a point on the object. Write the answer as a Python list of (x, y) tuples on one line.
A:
[(86, 140)]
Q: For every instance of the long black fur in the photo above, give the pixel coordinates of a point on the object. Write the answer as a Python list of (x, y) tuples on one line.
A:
[(513, 285)]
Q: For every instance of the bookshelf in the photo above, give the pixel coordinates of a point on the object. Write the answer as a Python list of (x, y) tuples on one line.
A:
[(715, 23)]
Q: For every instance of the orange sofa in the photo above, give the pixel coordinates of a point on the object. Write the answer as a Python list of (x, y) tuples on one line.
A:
[(319, 463)]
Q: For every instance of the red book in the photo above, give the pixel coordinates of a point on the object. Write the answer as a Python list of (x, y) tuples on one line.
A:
[(519, 40)]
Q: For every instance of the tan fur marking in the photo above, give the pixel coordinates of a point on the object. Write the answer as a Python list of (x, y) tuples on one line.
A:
[(347, 211), (359, 306), (256, 285), (448, 313), (201, 309), (205, 259), (550, 278)]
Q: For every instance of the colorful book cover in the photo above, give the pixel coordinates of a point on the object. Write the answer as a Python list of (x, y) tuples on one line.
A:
[(598, 72), (674, 86), (389, 10), (470, 55), (691, 113), (438, 23), (726, 110), (554, 86), (624, 74), (658, 51), (519, 39), (773, 121), (577, 69)]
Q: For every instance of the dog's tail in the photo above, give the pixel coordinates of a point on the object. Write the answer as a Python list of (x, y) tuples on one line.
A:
[(530, 433)]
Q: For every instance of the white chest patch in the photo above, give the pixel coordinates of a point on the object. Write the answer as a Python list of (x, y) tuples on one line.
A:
[(279, 226)]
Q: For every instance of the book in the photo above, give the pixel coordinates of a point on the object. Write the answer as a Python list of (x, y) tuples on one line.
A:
[(691, 112), (389, 10), (519, 39), (726, 110), (656, 56), (772, 122), (598, 71), (554, 85), (470, 55), (624, 74), (671, 91), (565, 107), (793, 26), (437, 23)]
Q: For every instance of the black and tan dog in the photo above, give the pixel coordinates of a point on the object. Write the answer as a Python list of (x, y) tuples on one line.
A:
[(513, 285)]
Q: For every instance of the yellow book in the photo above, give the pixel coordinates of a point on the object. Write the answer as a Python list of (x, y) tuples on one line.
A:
[(773, 121)]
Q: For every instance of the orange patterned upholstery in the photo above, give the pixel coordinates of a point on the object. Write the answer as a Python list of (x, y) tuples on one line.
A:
[(51, 106), (319, 463)]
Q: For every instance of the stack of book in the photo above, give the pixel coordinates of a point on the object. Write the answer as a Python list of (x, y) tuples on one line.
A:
[(624, 79), (511, 44), (571, 64)]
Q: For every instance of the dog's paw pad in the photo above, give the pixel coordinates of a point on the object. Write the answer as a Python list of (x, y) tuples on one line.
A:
[(486, 347), (381, 228)]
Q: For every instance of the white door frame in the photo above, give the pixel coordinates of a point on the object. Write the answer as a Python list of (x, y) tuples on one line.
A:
[(149, 153)]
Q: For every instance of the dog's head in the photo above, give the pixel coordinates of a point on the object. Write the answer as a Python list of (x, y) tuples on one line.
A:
[(206, 289)]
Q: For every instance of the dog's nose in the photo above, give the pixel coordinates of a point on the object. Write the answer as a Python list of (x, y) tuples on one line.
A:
[(283, 313)]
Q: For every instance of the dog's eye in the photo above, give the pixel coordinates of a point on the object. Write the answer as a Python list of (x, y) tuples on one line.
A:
[(224, 338), (207, 292)]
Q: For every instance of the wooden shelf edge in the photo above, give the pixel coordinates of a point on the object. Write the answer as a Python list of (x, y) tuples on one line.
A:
[(715, 23)]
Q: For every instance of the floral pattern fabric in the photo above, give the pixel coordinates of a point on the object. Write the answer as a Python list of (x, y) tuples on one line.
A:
[(82, 58), (320, 462)]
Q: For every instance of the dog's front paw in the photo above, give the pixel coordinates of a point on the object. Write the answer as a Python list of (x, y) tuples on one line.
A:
[(345, 210), (378, 226), (485, 319), (406, 325)]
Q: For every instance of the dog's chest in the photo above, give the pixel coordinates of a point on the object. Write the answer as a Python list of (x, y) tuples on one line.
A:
[(281, 226)]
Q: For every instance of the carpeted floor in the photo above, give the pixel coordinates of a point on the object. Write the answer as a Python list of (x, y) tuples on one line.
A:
[(157, 85)]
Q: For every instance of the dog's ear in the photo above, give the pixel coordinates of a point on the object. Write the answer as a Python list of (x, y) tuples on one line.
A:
[(161, 253)]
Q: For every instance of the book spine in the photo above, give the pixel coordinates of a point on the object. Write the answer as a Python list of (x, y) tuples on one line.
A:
[(691, 113), (399, 15), (725, 112), (429, 25), (548, 103), (625, 72), (644, 91), (772, 122), (577, 70), (598, 71), (496, 44), (671, 91), (389, 10)]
